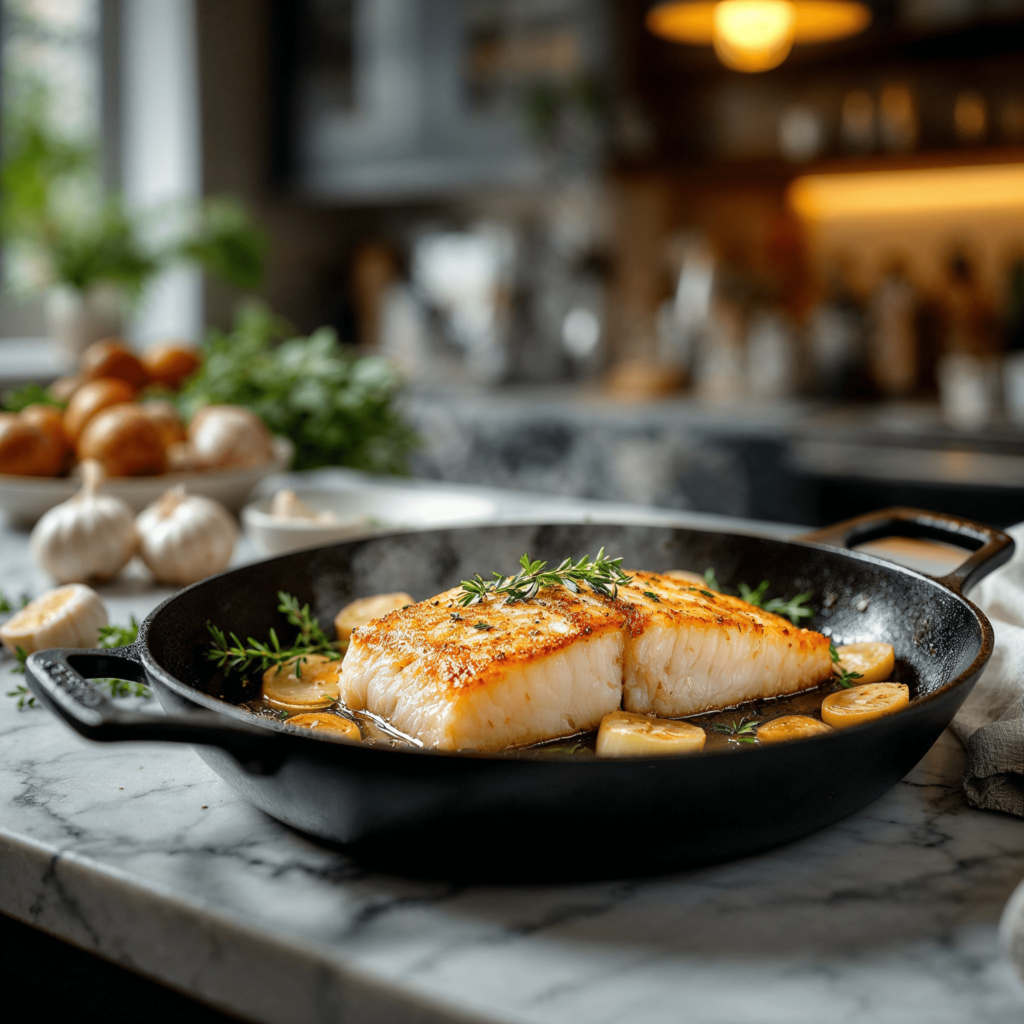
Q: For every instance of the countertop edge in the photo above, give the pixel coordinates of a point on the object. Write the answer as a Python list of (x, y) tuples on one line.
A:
[(188, 945)]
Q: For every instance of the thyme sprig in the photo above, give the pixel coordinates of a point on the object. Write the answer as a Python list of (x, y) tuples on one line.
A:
[(228, 652), (755, 596), (843, 678), (793, 608), (9, 605), (121, 636), (743, 731), (602, 575), (107, 637), (24, 695)]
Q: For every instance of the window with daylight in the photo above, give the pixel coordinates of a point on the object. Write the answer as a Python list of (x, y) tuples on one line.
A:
[(51, 100)]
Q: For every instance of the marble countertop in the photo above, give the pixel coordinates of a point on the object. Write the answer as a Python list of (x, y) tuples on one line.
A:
[(141, 854)]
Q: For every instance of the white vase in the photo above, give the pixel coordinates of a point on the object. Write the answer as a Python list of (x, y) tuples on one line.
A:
[(75, 319)]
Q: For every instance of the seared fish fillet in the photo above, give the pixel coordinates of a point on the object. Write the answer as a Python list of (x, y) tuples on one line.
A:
[(691, 650), (549, 667), (555, 665)]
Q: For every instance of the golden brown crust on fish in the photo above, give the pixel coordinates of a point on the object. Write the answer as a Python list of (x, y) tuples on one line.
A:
[(491, 676), (694, 650), (466, 647)]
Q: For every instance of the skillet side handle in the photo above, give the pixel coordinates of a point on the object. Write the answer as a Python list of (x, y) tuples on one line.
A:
[(990, 547), (60, 679)]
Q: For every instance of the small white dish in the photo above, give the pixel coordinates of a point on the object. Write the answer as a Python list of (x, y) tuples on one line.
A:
[(364, 512), (23, 499)]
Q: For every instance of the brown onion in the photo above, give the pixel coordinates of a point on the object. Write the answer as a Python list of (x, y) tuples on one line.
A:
[(171, 362), (50, 420), (112, 358), (166, 419), (64, 387), (92, 398), (25, 450), (125, 441)]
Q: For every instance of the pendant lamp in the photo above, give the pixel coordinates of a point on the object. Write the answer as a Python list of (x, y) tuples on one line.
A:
[(756, 35)]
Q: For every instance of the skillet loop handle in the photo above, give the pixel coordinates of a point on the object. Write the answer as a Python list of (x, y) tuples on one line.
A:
[(59, 678), (990, 547)]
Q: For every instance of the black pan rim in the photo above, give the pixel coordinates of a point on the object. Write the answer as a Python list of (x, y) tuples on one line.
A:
[(221, 707)]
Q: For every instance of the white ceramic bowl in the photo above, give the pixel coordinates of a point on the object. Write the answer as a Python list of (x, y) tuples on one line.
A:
[(366, 512), (23, 499)]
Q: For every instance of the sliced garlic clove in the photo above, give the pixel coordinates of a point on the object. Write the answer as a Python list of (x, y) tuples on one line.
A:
[(366, 609), (69, 616), (307, 682), (873, 662), (623, 734), (864, 703), (791, 727), (326, 724)]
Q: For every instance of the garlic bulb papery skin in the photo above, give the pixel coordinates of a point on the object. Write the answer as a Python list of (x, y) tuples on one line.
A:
[(184, 537), (88, 537)]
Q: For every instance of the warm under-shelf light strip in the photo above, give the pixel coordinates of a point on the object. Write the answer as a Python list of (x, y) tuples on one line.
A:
[(826, 197)]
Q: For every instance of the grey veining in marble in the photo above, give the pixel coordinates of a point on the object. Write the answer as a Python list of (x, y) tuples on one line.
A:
[(140, 853)]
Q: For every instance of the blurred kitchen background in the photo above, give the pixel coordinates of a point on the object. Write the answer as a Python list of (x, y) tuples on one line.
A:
[(616, 249)]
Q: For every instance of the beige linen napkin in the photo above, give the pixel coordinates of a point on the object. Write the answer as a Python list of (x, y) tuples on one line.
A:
[(991, 722)]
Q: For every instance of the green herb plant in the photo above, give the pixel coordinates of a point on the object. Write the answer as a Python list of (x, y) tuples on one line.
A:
[(602, 575), (56, 218), (337, 407), (230, 654), (29, 394)]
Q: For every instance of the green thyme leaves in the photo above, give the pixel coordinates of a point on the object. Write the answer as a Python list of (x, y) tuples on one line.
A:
[(793, 608), (229, 653), (743, 731), (601, 574)]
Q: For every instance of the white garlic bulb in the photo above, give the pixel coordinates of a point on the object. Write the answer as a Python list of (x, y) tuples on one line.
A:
[(184, 537), (228, 435), (90, 536)]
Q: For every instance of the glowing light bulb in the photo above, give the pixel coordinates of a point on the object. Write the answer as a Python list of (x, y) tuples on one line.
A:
[(753, 35), (756, 35)]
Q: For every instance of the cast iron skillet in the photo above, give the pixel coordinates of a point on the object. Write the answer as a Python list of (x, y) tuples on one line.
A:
[(552, 815)]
